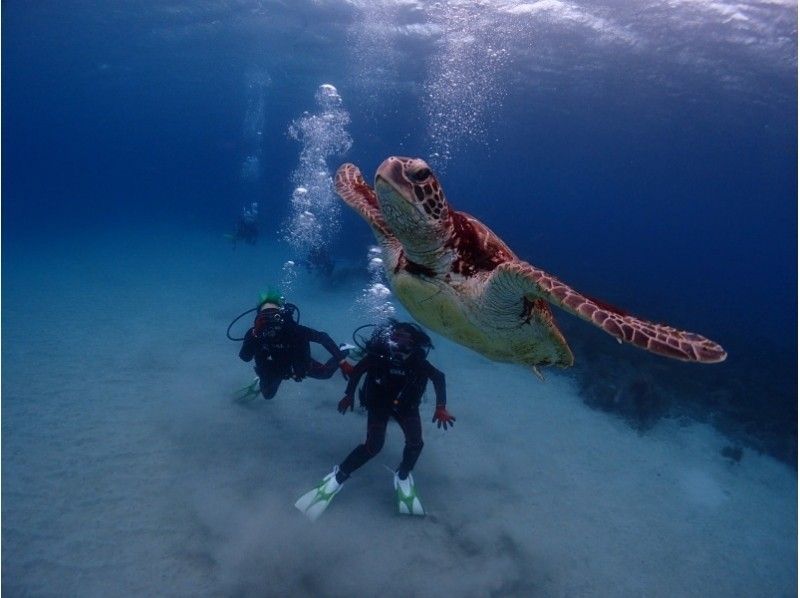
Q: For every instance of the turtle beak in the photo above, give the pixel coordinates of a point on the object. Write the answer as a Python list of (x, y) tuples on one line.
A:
[(392, 187), (391, 172), (396, 199)]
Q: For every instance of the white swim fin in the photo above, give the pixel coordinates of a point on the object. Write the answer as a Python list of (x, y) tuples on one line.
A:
[(313, 503), (408, 502)]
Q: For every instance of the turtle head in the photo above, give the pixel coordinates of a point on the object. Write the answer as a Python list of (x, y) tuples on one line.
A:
[(412, 202)]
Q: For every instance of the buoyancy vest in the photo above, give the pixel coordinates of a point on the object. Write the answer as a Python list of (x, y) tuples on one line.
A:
[(392, 382), (287, 351)]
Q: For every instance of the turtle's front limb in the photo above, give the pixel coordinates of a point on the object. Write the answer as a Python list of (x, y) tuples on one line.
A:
[(532, 284), (356, 193)]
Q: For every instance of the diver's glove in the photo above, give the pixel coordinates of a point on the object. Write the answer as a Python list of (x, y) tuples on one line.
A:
[(345, 404), (442, 417), (347, 368)]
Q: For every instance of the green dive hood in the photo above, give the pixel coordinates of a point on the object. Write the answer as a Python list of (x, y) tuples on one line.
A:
[(271, 296)]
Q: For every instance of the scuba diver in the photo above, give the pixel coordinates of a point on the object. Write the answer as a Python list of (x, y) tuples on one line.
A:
[(319, 262), (397, 372), (281, 348), (247, 226)]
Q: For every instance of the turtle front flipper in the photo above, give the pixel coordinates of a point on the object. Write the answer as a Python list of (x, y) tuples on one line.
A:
[(356, 193), (527, 283)]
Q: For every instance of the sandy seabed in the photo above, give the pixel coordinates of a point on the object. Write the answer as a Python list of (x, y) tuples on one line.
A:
[(129, 470)]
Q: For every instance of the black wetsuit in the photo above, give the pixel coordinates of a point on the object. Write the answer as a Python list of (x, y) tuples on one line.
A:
[(287, 354), (393, 389)]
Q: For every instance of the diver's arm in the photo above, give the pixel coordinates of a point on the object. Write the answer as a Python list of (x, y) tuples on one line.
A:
[(355, 376), (441, 417), (249, 346), (322, 338), (437, 377)]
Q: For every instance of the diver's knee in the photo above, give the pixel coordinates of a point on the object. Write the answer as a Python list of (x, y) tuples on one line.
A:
[(374, 446)]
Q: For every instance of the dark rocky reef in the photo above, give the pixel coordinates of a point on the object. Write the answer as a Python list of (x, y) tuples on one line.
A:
[(751, 397)]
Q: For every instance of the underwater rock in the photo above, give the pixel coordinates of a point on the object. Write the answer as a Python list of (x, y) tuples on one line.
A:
[(636, 398)]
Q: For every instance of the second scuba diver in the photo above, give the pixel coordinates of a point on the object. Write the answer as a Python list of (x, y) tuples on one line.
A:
[(281, 348), (246, 226), (397, 371)]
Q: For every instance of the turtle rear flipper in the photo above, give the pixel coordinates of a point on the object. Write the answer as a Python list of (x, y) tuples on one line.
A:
[(518, 280)]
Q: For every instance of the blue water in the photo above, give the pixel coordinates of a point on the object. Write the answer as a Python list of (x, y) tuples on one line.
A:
[(644, 153)]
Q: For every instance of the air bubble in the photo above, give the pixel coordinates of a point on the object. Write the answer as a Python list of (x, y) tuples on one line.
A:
[(314, 214), (376, 298), (288, 275), (256, 83), (251, 168)]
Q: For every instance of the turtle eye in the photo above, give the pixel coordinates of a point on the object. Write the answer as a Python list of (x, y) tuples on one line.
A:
[(421, 174)]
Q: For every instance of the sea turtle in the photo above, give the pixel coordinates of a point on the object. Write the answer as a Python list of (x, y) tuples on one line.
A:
[(457, 277)]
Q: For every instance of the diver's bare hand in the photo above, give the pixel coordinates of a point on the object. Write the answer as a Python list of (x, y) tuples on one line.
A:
[(347, 368), (442, 417)]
